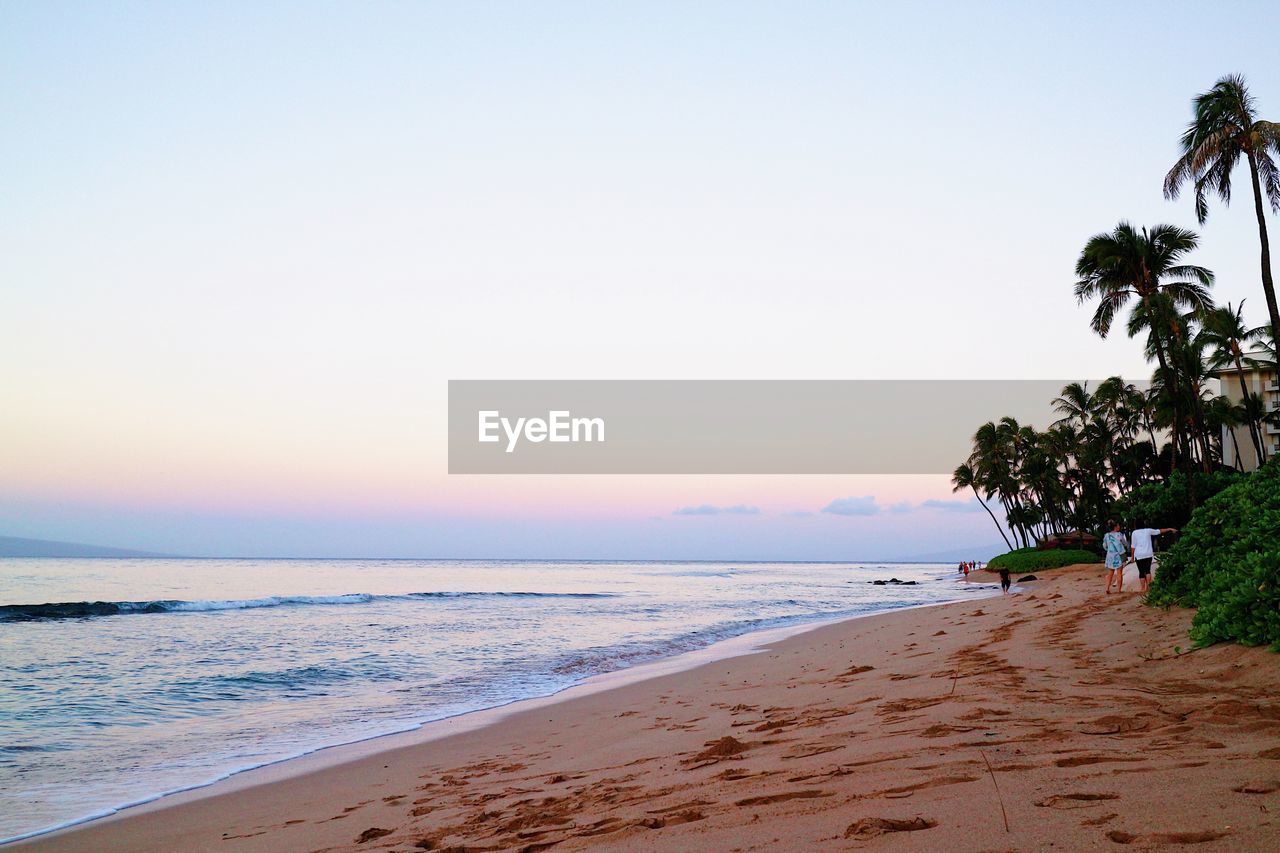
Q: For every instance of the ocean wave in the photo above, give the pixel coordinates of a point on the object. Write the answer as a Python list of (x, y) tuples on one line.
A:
[(88, 609)]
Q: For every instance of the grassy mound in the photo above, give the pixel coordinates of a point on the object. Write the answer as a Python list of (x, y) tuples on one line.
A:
[(1031, 560), (1227, 564)]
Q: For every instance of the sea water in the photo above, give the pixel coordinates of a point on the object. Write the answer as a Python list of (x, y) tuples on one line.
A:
[(121, 680)]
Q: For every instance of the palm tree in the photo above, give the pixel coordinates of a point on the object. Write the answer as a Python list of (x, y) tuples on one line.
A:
[(1126, 264), (995, 463), (1226, 333), (1193, 374), (1224, 416), (965, 478), (1075, 404), (1226, 127)]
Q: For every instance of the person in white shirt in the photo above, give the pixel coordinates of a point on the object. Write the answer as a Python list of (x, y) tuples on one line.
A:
[(1144, 550)]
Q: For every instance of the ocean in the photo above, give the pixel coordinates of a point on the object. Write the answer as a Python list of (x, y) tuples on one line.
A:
[(122, 680)]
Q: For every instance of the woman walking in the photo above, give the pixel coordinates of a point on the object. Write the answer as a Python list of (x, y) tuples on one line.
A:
[(1116, 547)]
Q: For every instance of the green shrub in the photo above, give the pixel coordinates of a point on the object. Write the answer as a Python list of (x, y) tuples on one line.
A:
[(1227, 564), (1170, 503), (1030, 559)]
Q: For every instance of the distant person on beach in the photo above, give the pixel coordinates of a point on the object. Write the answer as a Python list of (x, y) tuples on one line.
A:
[(1117, 548), (1004, 581), (1144, 550)]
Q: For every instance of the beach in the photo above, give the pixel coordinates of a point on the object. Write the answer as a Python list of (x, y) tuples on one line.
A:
[(1056, 717)]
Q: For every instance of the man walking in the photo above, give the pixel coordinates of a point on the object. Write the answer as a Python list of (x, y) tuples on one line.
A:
[(1144, 550)]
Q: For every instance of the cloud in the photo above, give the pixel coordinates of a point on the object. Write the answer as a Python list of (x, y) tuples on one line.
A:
[(800, 513), (708, 509), (864, 505), (951, 506)]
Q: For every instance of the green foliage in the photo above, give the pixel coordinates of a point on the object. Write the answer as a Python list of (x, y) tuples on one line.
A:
[(1170, 503), (1227, 564), (1031, 559)]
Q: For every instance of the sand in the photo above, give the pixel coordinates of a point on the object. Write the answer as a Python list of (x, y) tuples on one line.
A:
[(1058, 717)]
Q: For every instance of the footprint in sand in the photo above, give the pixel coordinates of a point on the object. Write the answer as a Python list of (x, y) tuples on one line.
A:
[(371, 833), (1082, 760), (812, 749), (1112, 725), (724, 749), (932, 783), (1100, 819), (1074, 801), (871, 827), (1166, 837), (807, 794)]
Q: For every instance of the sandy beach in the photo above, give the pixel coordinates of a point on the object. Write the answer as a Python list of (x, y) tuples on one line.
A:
[(1053, 718)]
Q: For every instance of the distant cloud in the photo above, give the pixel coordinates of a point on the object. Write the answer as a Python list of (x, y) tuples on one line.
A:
[(800, 513), (951, 506), (864, 505), (708, 509)]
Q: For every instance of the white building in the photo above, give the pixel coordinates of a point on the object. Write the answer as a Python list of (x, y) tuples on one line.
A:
[(1260, 381)]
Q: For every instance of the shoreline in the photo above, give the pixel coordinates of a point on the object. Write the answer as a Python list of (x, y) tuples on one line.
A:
[(329, 755), (868, 728)]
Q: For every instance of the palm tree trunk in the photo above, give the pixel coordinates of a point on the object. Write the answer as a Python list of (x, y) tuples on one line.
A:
[(1197, 408), (1253, 426), (1196, 438), (1268, 286), (993, 518), (1008, 518), (1170, 387), (1235, 444)]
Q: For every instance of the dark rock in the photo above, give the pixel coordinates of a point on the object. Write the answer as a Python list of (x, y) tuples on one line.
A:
[(1026, 578)]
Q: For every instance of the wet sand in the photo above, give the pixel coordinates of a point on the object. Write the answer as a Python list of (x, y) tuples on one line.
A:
[(1057, 717)]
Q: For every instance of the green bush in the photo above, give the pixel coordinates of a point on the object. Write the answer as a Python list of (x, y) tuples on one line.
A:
[(1170, 503), (1227, 564), (1030, 559)]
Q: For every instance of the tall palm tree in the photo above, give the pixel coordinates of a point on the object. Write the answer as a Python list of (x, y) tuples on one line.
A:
[(965, 478), (1127, 263), (1075, 404), (995, 464), (1228, 337), (1224, 416), (1225, 128), (1193, 374)]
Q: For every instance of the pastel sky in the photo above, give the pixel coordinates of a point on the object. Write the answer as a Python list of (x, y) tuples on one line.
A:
[(243, 246)]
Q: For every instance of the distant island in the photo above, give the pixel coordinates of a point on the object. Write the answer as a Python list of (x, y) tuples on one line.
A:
[(14, 546)]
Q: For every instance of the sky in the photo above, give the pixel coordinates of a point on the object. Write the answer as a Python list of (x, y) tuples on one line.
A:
[(243, 248)]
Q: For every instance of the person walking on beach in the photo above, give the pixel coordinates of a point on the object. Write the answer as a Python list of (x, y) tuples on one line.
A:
[(1004, 581), (1144, 550), (1117, 548)]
